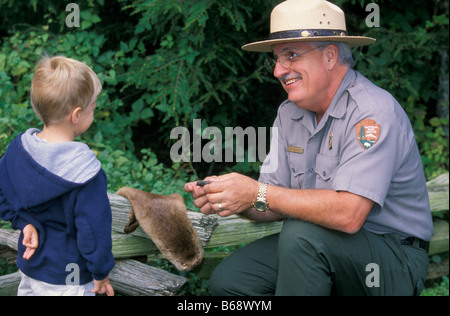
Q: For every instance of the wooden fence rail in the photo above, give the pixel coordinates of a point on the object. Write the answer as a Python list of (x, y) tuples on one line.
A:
[(131, 277)]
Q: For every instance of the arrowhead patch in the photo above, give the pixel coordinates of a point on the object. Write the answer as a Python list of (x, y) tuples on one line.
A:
[(367, 133)]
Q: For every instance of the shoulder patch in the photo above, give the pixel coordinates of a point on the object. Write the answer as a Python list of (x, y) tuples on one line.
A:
[(367, 133)]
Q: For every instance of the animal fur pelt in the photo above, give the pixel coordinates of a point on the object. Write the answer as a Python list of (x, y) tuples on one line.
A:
[(163, 218)]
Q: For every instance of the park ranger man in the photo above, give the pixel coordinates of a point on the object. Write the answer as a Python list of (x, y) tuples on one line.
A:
[(349, 183)]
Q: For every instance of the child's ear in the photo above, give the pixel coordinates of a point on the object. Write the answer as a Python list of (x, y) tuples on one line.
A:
[(75, 115)]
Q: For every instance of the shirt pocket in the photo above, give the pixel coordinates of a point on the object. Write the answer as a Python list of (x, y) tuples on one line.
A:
[(296, 169), (325, 167)]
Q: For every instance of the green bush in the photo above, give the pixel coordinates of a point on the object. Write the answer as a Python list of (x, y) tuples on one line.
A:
[(407, 60)]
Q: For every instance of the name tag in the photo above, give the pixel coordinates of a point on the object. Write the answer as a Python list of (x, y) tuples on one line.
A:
[(293, 149)]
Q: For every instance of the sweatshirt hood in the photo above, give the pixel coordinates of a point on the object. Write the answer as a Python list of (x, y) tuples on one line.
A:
[(34, 172)]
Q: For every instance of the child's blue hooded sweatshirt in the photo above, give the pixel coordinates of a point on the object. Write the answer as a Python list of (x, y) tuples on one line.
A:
[(60, 188)]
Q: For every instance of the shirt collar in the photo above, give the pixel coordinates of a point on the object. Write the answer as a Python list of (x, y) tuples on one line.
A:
[(335, 109)]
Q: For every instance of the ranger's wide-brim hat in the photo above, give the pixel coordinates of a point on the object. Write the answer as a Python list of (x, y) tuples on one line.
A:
[(307, 21)]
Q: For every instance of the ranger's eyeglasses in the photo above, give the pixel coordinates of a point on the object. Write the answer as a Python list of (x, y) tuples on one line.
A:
[(287, 59)]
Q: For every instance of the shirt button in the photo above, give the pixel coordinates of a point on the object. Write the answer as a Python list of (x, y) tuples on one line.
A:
[(324, 173), (293, 170), (311, 169)]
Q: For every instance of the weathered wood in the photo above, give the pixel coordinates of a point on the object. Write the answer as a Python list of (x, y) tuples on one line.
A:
[(440, 242), (9, 284), (129, 277), (134, 278), (438, 193), (235, 230), (127, 246), (9, 238)]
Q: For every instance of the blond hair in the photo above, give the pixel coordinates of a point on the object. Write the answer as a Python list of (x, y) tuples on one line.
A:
[(61, 84)]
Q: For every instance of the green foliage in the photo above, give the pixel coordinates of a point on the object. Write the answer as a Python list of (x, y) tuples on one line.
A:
[(5, 225), (7, 268), (187, 70), (407, 61), (439, 289)]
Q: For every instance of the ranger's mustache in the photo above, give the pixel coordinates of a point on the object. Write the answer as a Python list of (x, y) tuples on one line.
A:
[(286, 77)]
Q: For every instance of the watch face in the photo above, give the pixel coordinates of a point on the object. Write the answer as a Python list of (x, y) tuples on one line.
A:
[(260, 206)]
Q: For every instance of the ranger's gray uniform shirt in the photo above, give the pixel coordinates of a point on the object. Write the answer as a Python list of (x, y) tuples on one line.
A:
[(365, 145)]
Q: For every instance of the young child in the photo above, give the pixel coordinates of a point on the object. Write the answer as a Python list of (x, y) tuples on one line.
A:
[(52, 184)]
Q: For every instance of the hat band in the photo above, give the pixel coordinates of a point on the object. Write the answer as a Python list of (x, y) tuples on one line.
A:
[(306, 33)]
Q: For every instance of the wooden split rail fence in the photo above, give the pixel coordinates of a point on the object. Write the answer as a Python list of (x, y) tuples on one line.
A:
[(131, 277)]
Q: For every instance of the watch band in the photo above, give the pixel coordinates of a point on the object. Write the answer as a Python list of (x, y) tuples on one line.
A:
[(262, 191), (261, 204)]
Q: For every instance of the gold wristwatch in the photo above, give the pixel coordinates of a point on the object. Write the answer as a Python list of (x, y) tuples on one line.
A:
[(261, 204)]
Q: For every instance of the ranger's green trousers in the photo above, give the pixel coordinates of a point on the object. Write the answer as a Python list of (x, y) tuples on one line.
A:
[(306, 259)]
